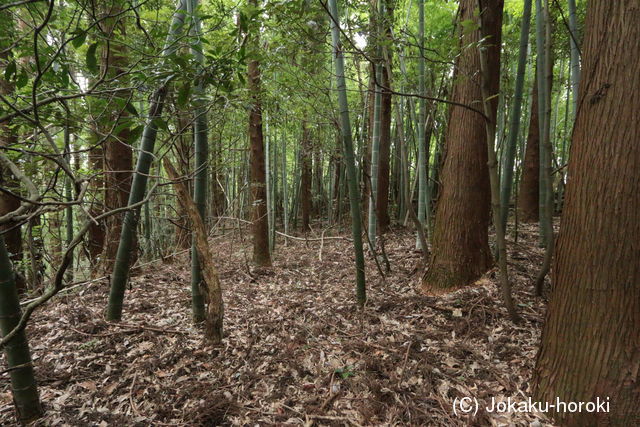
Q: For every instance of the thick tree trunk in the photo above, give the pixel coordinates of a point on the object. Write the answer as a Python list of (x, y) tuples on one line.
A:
[(591, 341), (382, 200), (118, 160), (118, 155), (529, 194), (8, 203), (121, 266), (96, 232), (305, 178), (18, 357), (258, 179), (460, 240)]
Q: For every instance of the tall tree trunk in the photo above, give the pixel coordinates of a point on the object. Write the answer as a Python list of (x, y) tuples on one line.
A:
[(258, 180), (544, 71), (372, 223), (591, 340), (118, 155), (97, 231), (529, 192), (23, 383), (423, 150), (514, 125), (121, 266), (490, 125), (382, 199), (460, 239), (201, 157), (546, 152), (575, 55), (68, 193), (349, 158), (368, 140), (9, 203), (184, 150), (305, 178)]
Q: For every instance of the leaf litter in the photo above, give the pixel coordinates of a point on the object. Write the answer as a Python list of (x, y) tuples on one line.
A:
[(296, 349)]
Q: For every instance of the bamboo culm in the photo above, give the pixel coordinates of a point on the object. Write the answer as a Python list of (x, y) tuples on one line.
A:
[(23, 383), (514, 125), (121, 266), (201, 154), (349, 159), (422, 149)]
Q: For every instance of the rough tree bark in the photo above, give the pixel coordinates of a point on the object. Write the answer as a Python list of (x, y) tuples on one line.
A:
[(120, 273), (118, 155), (460, 239), (305, 177), (382, 199), (97, 232), (258, 179), (591, 341)]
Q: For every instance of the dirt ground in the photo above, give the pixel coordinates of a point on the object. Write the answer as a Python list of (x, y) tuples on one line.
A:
[(296, 349)]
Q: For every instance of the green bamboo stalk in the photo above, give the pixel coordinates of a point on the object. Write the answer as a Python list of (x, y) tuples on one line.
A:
[(349, 160), (546, 152), (377, 126), (514, 125), (201, 157), (542, 108), (490, 127), (269, 183), (285, 185), (23, 383), (120, 273), (422, 149), (68, 190), (575, 55)]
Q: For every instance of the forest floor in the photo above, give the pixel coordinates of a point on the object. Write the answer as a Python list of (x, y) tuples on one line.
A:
[(296, 350)]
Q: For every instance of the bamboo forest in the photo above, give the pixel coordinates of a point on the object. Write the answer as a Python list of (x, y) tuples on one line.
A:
[(320, 213)]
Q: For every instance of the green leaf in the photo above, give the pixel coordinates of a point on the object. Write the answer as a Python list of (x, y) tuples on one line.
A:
[(79, 40), (10, 71), (469, 26), (22, 80), (64, 76), (183, 94), (243, 22), (92, 62), (130, 108), (124, 124), (160, 123), (136, 132)]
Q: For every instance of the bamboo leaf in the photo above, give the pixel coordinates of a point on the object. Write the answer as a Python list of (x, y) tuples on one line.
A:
[(10, 71), (79, 39), (183, 94), (92, 62), (130, 108)]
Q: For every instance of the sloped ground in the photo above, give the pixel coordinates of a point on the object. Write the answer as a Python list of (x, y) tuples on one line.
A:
[(296, 350)]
